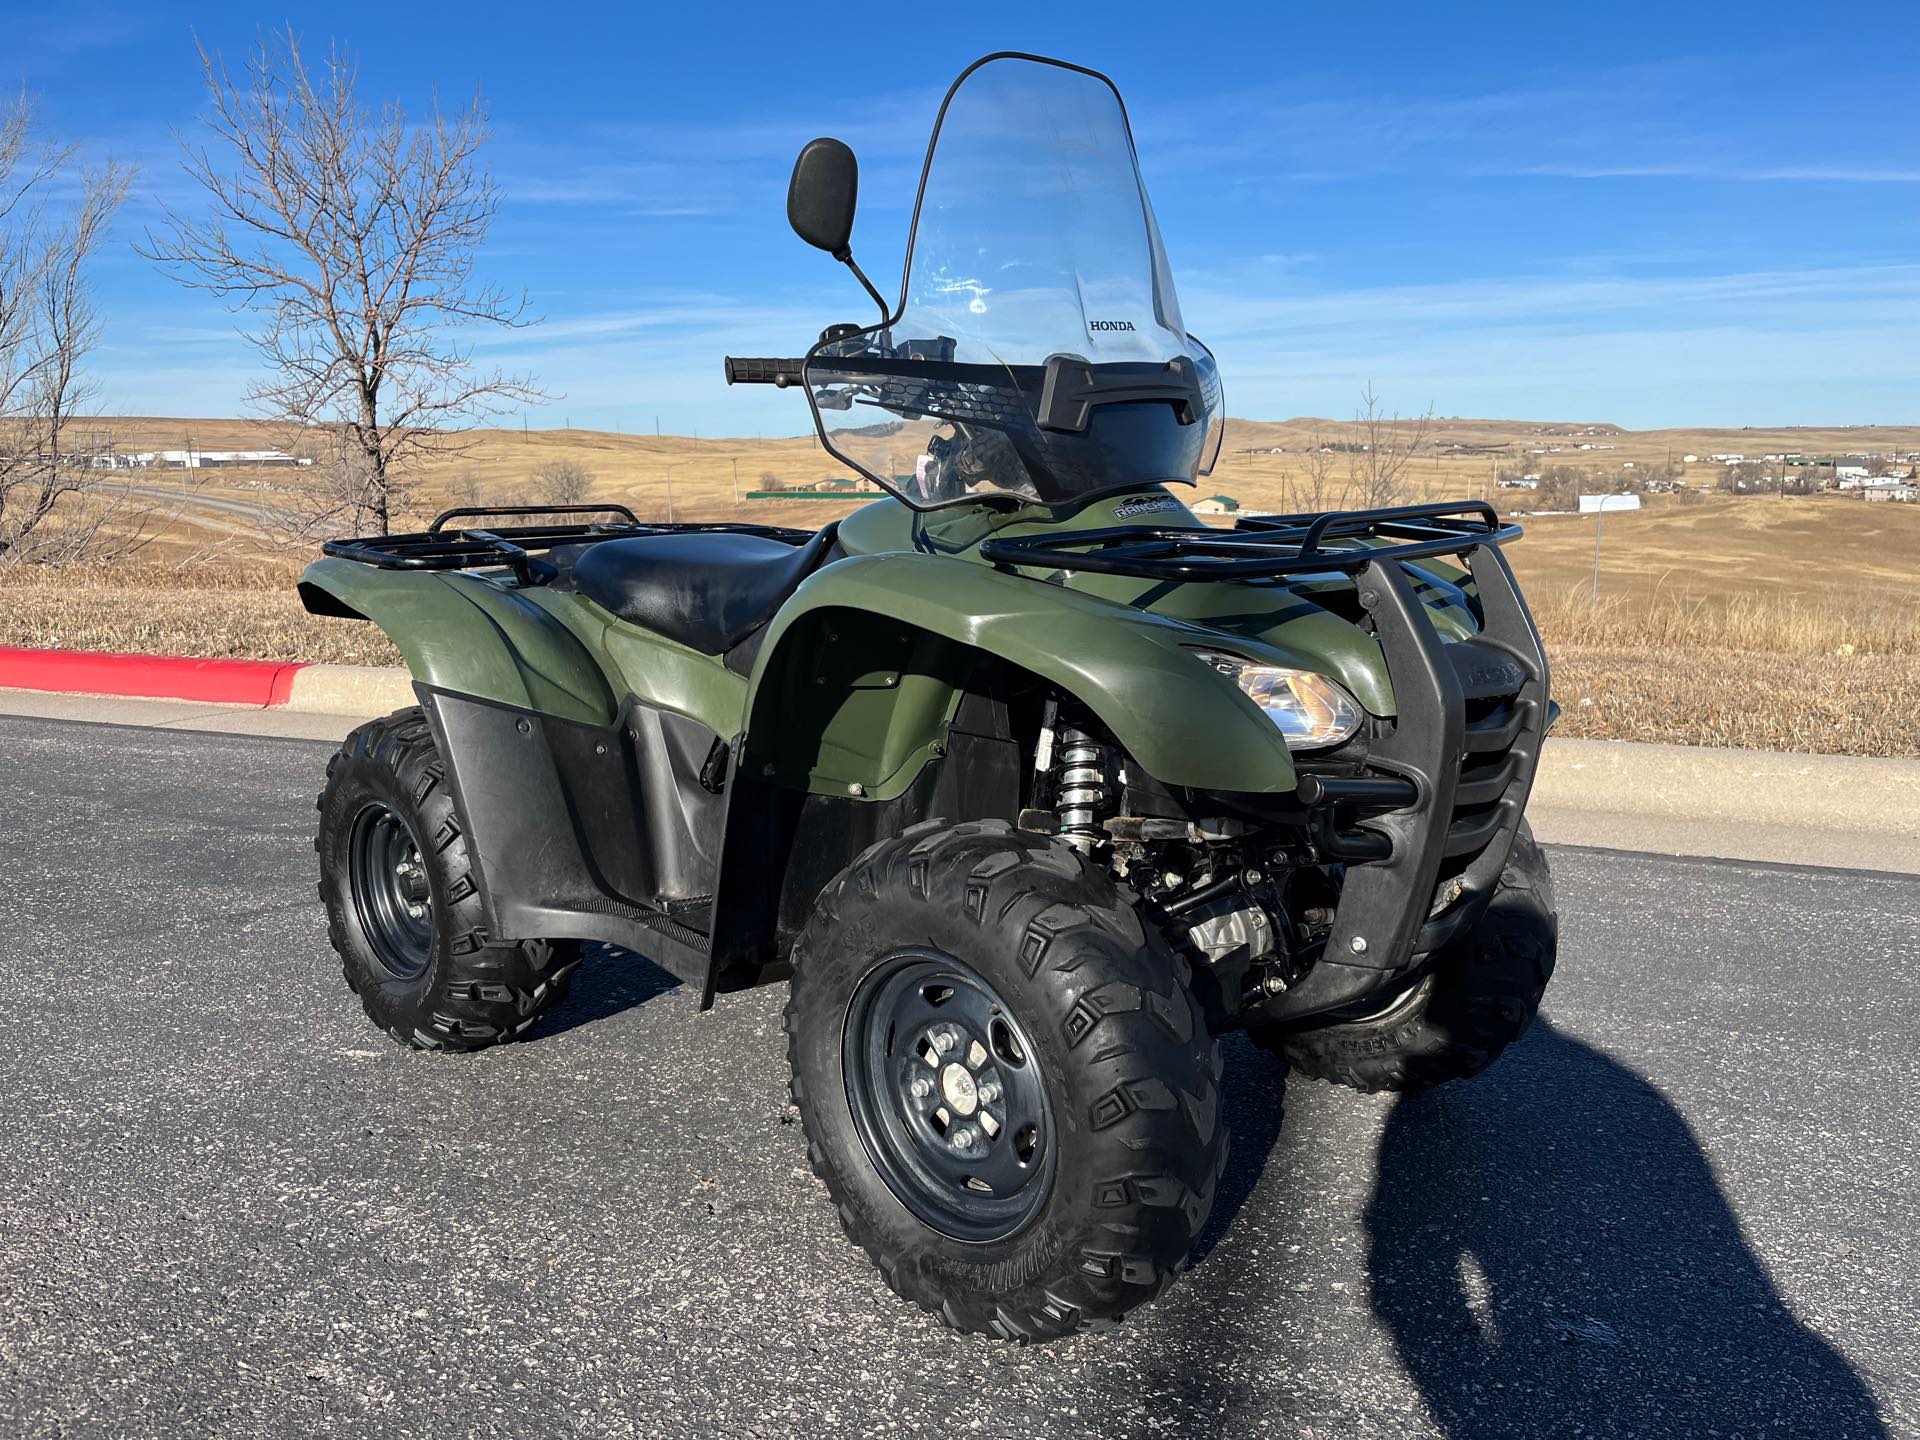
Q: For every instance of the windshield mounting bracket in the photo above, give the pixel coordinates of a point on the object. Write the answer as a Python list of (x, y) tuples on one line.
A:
[(1074, 386)]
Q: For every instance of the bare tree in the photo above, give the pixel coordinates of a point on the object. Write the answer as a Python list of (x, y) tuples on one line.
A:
[(468, 487), (353, 234), (1316, 485), (1385, 446), (59, 498), (334, 491), (562, 482)]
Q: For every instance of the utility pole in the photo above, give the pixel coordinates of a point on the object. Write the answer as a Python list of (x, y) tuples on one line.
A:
[(1599, 520), (670, 470), (736, 479)]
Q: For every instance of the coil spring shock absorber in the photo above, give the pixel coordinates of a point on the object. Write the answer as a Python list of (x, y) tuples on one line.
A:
[(1082, 777)]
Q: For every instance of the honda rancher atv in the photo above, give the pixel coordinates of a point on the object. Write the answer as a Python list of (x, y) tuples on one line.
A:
[(1029, 782)]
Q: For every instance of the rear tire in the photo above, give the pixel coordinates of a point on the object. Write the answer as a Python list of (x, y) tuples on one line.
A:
[(1476, 1000), (1029, 978), (403, 906)]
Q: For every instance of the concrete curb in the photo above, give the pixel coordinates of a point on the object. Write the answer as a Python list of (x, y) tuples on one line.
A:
[(350, 690), (1755, 787), (255, 684), (1832, 810)]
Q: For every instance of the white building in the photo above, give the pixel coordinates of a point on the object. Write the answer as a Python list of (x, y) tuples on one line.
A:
[(1607, 504)]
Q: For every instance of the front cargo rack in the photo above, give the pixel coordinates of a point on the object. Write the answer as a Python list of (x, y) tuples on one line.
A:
[(477, 548), (1265, 546)]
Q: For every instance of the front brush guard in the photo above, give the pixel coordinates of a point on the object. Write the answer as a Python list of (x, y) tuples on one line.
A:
[(1384, 926)]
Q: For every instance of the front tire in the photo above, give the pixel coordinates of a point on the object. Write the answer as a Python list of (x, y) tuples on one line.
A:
[(403, 907), (1477, 999), (953, 972)]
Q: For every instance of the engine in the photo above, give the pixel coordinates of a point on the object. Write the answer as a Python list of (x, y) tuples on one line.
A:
[(1231, 896)]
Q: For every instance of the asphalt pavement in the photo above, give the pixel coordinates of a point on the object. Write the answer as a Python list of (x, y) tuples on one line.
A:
[(1682, 1206)]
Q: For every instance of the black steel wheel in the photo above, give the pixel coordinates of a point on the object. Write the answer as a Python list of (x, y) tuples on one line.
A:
[(390, 891), (1005, 1080), (404, 909), (946, 1091)]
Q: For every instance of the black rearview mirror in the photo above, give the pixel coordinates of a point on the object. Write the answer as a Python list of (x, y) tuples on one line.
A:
[(822, 195)]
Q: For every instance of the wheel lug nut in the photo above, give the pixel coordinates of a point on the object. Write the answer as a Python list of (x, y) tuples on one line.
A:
[(989, 1092), (416, 909), (945, 1039), (964, 1137), (921, 1087)]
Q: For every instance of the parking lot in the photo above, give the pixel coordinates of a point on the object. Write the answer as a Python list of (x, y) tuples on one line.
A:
[(1682, 1206)]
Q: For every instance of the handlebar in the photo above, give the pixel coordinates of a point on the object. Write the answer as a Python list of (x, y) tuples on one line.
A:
[(757, 370)]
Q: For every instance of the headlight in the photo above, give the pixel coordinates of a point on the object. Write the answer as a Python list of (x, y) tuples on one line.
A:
[(1311, 710)]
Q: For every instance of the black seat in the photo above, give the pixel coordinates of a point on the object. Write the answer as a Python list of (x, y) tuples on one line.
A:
[(706, 589)]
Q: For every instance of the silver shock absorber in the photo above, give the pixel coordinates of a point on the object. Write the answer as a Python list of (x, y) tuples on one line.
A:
[(1082, 774)]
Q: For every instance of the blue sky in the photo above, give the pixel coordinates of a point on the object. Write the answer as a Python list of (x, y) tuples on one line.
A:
[(1658, 215)]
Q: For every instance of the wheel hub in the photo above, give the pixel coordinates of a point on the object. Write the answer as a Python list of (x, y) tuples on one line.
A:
[(948, 1096), (391, 892), (958, 1086)]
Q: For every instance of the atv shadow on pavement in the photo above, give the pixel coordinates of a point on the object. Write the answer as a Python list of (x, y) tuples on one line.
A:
[(1552, 1255), (608, 981)]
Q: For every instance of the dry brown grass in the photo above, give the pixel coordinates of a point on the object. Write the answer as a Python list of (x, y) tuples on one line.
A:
[(1823, 704), (1784, 624), (239, 608), (1752, 670)]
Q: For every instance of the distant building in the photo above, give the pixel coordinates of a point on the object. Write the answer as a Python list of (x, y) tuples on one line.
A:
[(211, 459), (1217, 505), (1597, 504), (1889, 490)]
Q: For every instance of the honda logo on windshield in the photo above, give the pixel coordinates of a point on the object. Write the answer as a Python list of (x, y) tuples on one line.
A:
[(1110, 325)]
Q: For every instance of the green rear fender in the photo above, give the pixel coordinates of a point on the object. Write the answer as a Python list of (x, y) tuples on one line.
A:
[(863, 667), (464, 633)]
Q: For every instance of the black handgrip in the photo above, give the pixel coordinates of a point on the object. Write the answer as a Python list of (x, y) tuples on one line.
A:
[(757, 370)]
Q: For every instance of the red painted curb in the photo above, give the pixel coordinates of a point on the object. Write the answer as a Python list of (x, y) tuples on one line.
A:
[(262, 683)]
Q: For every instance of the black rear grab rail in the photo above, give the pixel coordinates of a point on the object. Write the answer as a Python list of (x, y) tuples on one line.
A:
[(474, 548), (440, 520), (1265, 546)]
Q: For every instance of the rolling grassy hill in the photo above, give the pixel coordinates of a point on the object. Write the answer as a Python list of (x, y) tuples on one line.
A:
[(1783, 623)]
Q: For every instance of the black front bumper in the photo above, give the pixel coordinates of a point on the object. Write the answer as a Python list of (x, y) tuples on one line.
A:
[(1426, 828)]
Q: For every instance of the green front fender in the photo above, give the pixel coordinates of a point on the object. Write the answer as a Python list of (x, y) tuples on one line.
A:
[(464, 633), (866, 708)]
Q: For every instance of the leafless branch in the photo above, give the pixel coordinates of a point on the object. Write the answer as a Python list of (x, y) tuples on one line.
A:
[(1316, 486), (58, 500), (1386, 445), (353, 235)]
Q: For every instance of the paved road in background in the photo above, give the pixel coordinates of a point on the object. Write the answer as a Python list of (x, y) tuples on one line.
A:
[(1682, 1206)]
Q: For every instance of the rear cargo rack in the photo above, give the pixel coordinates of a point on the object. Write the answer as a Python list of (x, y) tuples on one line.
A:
[(1265, 546), (476, 548)]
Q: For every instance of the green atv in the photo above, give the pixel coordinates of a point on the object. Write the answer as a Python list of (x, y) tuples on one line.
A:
[(1028, 781)]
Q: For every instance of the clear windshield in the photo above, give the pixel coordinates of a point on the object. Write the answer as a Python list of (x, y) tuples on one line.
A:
[(1038, 351)]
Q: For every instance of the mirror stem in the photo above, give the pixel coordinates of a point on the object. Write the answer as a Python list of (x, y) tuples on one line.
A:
[(845, 257)]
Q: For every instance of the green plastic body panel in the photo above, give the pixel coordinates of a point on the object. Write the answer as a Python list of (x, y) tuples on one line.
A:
[(1136, 670), (473, 635), (480, 634), (860, 672)]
